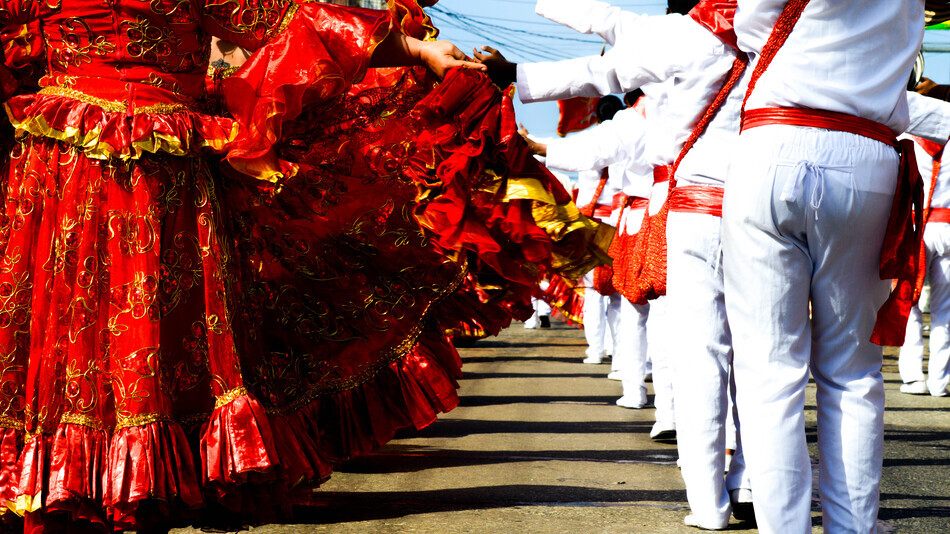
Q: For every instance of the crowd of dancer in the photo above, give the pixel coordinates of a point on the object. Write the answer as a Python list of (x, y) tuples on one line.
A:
[(223, 274), (763, 204)]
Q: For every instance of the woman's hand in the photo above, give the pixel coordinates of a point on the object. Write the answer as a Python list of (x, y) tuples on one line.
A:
[(440, 56), (398, 50)]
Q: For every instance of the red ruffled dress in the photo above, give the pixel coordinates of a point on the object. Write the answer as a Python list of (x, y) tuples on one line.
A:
[(175, 335)]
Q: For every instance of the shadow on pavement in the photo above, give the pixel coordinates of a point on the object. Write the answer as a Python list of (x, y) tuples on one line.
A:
[(412, 460), (495, 400), (455, 428), (338, 507), (498, 359)]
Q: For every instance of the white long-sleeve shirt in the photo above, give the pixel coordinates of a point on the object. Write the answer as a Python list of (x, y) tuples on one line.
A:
[(848, 56), (584, 16), (929, 118), (619, 144), (679, 64)]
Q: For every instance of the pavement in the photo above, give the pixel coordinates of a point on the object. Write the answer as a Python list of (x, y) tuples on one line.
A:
[(538, 446)]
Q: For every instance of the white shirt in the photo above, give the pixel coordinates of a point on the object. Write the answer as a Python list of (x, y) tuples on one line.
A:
[(587, 182), (848, 56), (929, 117), (618, 144), (679, 64), (584, 16)]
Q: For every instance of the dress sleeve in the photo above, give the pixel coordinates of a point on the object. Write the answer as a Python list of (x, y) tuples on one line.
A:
[(315, 54), (647, 50)]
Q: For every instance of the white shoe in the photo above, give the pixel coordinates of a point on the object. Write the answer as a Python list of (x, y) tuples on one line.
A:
[(615, 375), (693, 521), (663, 432), (915, 388), (628, 401), (595, 360), (939, 393)]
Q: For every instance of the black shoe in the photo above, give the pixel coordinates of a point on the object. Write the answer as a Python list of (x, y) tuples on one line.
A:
[(742, 511), (544, 321)]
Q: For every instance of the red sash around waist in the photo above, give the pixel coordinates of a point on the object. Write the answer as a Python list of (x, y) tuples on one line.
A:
[(601, 211), (939, 215), (662, 174), (637, 203), (900, 257), (620, 200), (705, 199), (813, 118)]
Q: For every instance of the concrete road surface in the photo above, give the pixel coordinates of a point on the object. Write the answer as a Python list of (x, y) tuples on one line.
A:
[(539, 446)]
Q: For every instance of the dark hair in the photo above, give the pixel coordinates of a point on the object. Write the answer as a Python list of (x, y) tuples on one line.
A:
[(607, 107), (680, 6), (631, 98)]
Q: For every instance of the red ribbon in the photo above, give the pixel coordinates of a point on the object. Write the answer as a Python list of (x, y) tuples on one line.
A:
[(705, 199), (717, 16)]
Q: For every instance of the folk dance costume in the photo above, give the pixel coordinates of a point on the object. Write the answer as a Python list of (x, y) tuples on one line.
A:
[(597, 191), (936, 177), (701, 361), (807, 201), (620, 142), (160, 310)]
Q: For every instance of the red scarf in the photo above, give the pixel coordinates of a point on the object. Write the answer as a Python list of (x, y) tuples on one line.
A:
[(717, 16)]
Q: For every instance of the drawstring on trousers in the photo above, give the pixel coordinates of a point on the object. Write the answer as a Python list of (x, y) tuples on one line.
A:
[(795, 189)]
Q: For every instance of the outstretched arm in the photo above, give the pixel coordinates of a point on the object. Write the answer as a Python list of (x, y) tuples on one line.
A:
[(588, 16), (651, 50), (614, 141), (398, 50)]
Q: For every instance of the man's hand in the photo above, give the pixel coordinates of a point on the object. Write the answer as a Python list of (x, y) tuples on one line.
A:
[(536, 148), (501, 71), (440, 56)]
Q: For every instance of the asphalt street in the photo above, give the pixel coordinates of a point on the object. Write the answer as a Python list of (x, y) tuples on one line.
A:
[(539, 446)]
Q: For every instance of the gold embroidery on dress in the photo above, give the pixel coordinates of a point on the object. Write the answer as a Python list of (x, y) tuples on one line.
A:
[(258, 17), (80, 42), (153, 44), (9, 422), (82, 420), (229, 396), (113, 105), (126, 421)]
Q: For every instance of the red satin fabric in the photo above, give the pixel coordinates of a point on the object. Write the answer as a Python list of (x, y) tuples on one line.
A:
[(717, 16), (164, 310), (828, 120), (939, 215), (313, 69), (638, 203), (697, 199), (576, 114), (900, 252)]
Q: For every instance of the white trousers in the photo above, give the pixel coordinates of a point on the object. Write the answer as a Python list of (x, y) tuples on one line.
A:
[(632, 345), (631, 356), (911, 361), (659, 346), (601, 320), (804, 218), (702, 365)]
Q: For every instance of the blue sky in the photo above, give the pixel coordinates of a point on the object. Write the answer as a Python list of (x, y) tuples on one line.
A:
[(512, 27)]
